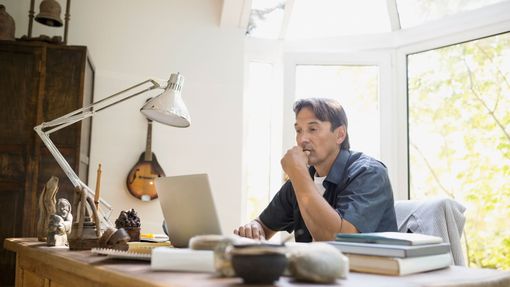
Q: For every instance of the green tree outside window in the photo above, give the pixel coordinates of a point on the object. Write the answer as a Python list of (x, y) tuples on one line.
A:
[(459, 138)]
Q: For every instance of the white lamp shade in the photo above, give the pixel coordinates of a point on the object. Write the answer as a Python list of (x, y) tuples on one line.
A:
[(168, 108)]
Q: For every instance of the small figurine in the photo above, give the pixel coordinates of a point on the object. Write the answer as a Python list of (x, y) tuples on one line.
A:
[(57, 235), (129, 220), (64, 211)]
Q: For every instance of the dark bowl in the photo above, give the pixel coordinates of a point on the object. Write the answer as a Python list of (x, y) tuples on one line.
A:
[(259, 268)]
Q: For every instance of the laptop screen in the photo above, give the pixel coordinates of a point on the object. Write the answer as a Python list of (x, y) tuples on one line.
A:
[(188, 207)]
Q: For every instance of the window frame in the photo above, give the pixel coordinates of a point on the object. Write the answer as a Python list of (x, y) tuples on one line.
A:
[(268, 51), (382, 59), (456, 29)]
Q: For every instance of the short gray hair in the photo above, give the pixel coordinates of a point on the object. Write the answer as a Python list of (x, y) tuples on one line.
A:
[(326, 110)]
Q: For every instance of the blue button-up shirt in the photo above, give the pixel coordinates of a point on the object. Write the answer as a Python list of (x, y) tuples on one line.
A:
[(357, 187)]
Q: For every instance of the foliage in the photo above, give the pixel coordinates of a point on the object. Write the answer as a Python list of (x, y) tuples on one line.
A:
[(459, 125)]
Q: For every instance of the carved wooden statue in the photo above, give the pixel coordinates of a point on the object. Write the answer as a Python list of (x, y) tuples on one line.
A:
[(59, 226), (46, 207), (64, 211), (57, 235)]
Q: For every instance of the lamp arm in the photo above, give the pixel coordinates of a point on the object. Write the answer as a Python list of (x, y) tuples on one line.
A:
[(91, 109), (44, 131)]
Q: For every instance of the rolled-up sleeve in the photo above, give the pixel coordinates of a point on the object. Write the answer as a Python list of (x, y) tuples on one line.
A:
[(367, 196), (278, 215)]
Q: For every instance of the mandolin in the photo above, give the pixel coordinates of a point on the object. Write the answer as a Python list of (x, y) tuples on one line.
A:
[(140, 180)]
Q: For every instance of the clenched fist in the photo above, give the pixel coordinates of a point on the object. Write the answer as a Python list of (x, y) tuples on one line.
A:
[(296, 159)]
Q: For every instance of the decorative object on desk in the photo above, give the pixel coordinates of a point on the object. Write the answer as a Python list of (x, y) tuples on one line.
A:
[(7, 25), (140, 180), (46, 207), (316, 262), (222, 256), (398, 266), (113, 238), (398, 238), (167, 108), (85, 231), (259, 263), (129, 220), (64, 210), (57, 235), (49, 15)]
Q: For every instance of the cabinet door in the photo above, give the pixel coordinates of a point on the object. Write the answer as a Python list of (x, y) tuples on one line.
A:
[(64, 85), (19, 89)]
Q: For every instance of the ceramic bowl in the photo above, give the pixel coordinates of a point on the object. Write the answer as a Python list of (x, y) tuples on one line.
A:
[(265, 267)]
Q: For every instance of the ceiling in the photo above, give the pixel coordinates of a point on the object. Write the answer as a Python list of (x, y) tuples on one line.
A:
[(313, 19)]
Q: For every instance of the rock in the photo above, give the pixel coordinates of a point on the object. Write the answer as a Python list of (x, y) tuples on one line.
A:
[(316, 262)]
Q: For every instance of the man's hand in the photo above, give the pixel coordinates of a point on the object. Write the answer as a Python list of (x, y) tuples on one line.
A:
[(295, 160), (252, 230)]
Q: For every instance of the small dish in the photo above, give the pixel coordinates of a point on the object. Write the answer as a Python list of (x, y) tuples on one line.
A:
[(259, 263), (259, 268)]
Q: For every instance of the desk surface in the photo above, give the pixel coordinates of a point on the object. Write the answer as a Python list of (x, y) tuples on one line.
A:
[(68, 267)]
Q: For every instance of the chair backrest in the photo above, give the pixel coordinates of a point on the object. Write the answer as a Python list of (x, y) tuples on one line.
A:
[(441, 217)]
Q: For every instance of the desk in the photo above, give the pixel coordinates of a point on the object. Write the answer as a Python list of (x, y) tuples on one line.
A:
[(39, 265)]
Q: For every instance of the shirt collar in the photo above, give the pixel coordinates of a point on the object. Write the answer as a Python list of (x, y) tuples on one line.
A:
[(336, 173)]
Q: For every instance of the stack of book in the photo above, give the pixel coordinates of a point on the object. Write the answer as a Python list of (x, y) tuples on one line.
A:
[(393, 253)]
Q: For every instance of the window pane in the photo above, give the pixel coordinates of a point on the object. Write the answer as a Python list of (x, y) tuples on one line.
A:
[(459, 138), (330, 18), (258, 138), (266, 18), (357, 89), (416, 12)]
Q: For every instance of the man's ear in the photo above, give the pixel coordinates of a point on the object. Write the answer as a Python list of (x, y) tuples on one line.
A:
[(340, 133)]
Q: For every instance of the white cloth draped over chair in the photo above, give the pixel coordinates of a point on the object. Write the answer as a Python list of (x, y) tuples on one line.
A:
[(441, 217)]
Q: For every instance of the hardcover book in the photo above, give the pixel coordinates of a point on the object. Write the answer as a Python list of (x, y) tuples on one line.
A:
[(395, 238), (401, 251), (397, 266)]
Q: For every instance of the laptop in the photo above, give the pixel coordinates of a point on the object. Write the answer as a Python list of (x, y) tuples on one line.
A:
[(188, 207)]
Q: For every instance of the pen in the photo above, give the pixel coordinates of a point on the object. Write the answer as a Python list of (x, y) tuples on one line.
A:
[(153, 235)]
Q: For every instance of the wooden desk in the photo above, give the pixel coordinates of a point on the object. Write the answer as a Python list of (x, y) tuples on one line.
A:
[(39, 265)]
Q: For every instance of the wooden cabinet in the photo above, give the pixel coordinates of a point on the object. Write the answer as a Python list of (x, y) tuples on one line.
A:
[(38, 82)]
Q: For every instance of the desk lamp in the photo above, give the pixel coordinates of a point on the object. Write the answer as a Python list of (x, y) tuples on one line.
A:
[(167, 108)]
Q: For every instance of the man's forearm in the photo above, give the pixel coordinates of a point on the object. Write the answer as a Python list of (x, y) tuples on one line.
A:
[(320, 218)]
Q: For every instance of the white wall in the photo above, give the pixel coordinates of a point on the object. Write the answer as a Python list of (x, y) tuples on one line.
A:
[(130, 41)]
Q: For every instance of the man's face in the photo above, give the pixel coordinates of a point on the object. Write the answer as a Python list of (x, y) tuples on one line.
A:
[(315, 136)]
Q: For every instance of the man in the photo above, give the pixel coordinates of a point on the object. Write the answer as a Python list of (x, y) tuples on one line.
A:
[(340, 191)]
